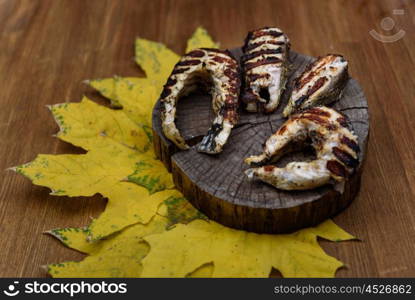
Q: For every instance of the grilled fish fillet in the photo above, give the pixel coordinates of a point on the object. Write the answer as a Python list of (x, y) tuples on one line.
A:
[(265, 64), (321, 83), (219, 72), (335, 145)]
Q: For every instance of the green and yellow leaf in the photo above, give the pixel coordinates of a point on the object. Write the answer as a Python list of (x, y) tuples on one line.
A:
[(179, 210), (151, 174), (75, 238)]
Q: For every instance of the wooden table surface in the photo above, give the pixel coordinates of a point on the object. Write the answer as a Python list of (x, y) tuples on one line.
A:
[(48, 47)]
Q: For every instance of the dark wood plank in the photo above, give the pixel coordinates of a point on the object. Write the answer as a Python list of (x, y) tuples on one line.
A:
[(48, 48)]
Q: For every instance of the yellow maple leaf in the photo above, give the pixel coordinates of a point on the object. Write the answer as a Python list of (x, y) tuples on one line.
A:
[(136, 95), (111, 158), (88, 174), (76, 238), (236, 253), (119, 256), (200, 39), (110, 256), (129, 204), (101, 172), (137, 99), (77, 175), (156, 60), (106, 87), (91, 126)]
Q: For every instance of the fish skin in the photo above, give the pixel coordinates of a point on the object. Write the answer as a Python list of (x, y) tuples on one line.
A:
[(219, 72), (321, 83), (265, 68), (335, 144)]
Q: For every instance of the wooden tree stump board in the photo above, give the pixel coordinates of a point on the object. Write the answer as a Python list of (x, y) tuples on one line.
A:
[(217, 185)]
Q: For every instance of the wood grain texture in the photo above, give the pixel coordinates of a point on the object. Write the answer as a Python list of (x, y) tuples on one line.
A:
[(48, 48), (217, 185)]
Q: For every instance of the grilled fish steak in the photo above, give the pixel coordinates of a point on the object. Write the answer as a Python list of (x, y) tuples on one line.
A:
[(336, 148), (219, 72), (321, 83), (265, 65)]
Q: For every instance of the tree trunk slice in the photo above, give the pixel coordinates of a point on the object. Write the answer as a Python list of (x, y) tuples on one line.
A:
[(217, 185)]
